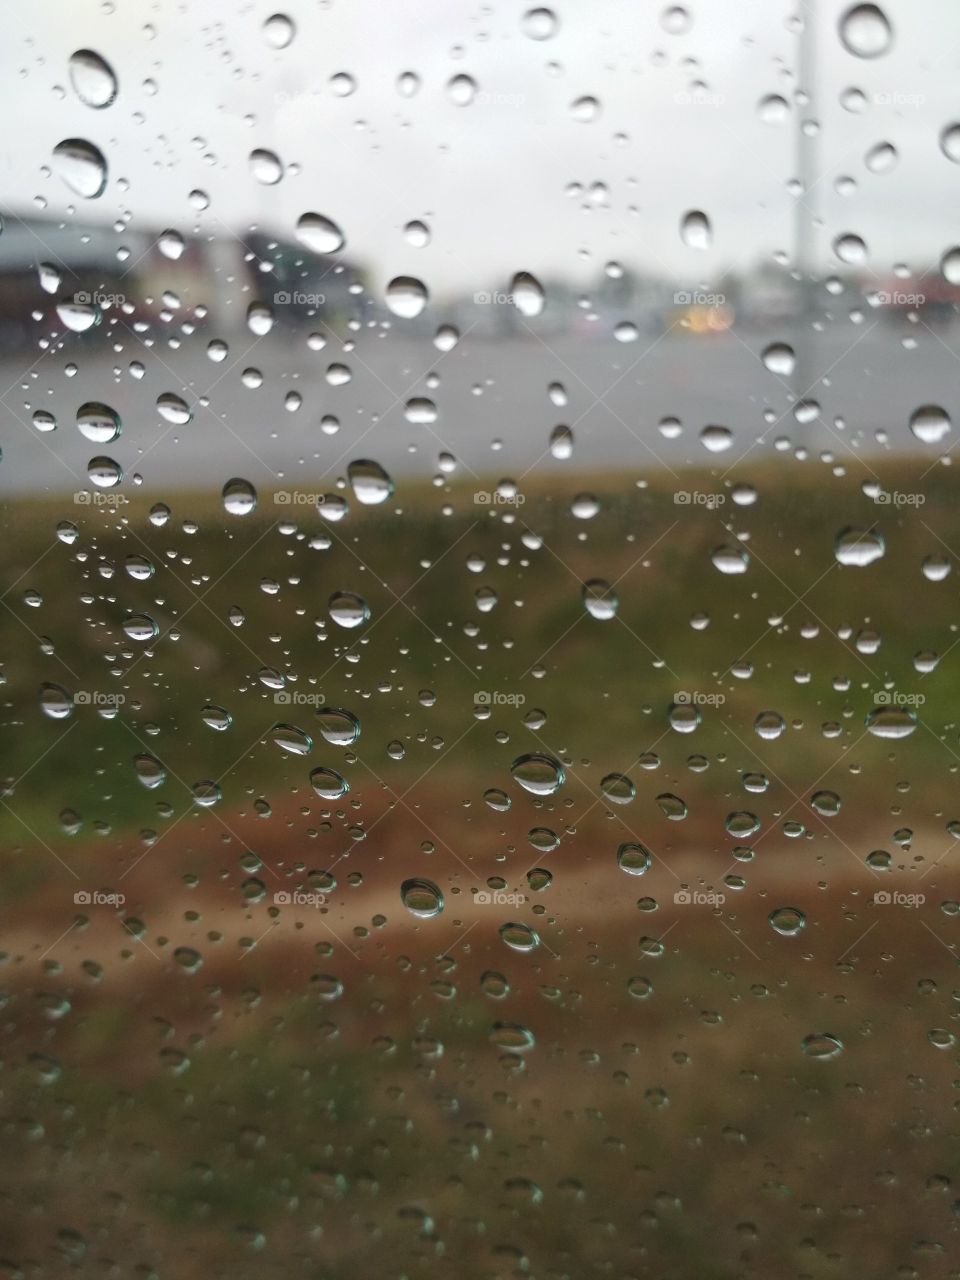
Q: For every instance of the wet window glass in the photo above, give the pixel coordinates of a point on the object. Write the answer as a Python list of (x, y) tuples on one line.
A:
[(479, 641)]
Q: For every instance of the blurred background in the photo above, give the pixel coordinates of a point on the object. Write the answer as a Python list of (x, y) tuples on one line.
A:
[(479, 640)]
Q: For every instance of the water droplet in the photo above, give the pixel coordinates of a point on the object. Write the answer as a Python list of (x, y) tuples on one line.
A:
[(769, 725), (104, 472), (773, 109), (695, 230), (328, 784), (422, 898), (289, 738), (930, 423), (92, 79), (730, 559), (265, 166), (950, 265), (585, 109), (779, 358), (171, 244), (462, 90), (82, 167), (851, 249), (527, 294), (279, 30), (561, 443), (406, 296), (950, 142), (216, 718), (537, 773), (98, 422), (55, 702), (716, 439), (858, 547), (519, 937), (617, 788), (173, 409), (822, 1045), (636, 859), (539, 24), (684, 717), (788, 921), (600, 599), (370, 483), (865, 31), (339, 728), (881, 158), (348, 610), (319, 234), (140, 627), (891, 722), (239, 497), (417, 234)]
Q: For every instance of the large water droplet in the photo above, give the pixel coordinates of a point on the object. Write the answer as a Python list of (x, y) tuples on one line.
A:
[(527, 294), (348, 610), (600, 599), (98, 422), (370, 483), (858, 547), (320, 234), (239, 497), (328, 784), (422, 898), (339, 728), (537, 773), (891, 722), (82, 167), (695, 230), (92, 79), (865, 31), (406, 296), (930, 423)]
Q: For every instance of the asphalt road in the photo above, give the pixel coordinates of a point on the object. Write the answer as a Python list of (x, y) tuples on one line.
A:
[(493, 409)]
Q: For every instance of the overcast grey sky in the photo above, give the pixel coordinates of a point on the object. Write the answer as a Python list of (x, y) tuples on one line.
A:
[(492, 178)]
